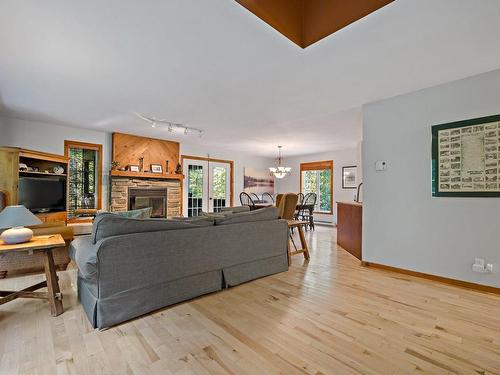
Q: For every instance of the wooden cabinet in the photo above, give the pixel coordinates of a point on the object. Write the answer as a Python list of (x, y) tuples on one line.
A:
[(40, 164), (51, 217), (9, 176), (349, 227)]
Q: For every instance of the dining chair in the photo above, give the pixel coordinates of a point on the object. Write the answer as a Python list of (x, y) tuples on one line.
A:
[(246, 200), (307, 209), (266, 197), (301, 198), (278, 199), (255, 198), (299, 206), (287, 206)]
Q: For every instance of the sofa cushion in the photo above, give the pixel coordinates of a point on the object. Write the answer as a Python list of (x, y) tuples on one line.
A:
[(108, 225), (142, 213), (268, 213), (212, 215), (195, 220), (235, 209)]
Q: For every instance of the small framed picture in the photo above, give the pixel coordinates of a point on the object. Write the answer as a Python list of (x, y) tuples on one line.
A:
[(133, 168), (349, 180), (156, 168)]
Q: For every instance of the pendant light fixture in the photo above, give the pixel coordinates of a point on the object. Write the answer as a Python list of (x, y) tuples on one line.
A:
[(279, 171)]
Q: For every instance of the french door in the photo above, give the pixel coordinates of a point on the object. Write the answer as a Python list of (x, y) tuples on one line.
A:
[(207, 186)]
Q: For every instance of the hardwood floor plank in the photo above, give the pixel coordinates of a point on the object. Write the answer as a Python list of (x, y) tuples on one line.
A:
[(326, 316)]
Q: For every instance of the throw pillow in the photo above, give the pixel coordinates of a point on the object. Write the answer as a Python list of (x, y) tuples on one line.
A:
[(143, 213)]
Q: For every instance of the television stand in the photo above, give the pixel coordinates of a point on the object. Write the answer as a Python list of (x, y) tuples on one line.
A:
[(36, 164)]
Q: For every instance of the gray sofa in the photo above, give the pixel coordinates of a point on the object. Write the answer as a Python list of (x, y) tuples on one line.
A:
[(129, 267)]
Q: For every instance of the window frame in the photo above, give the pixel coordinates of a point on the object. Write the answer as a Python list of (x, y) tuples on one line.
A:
[(87, 146), (319, 166)]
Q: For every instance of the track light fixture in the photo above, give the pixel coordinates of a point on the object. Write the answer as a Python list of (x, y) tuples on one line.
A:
[(171, 126)]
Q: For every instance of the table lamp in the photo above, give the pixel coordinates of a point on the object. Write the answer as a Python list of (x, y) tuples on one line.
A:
[(15, 218)]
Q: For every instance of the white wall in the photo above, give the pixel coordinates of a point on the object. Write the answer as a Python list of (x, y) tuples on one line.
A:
[(403, 226), (50, 138), (341, 158), (44, 137)]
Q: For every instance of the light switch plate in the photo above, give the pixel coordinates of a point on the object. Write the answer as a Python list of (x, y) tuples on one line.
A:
[(380, 165)]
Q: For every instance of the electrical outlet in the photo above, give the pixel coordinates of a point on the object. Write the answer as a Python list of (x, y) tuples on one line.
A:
[(480, 266)]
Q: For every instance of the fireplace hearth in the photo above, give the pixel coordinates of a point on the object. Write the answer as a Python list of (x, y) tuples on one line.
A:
[(154, 197)]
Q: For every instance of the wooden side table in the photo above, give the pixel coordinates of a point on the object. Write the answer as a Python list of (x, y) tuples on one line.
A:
[(43, 244), (305, 249)]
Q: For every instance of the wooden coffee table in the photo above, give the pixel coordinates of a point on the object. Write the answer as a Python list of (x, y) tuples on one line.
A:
[(43, 244)]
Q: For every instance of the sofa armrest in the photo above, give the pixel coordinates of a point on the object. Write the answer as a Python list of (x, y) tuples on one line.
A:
[(84, 253)]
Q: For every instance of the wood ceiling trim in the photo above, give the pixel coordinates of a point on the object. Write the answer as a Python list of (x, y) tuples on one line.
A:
[(284, 16), (305, 22)]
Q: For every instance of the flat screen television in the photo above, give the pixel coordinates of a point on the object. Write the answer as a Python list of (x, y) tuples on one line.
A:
[(42, 194)]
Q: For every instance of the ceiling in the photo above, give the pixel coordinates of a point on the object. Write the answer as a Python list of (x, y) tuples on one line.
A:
[(215, 66)]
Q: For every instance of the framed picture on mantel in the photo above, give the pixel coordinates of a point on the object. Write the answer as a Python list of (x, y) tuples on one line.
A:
[(465, 158), (349, 177)]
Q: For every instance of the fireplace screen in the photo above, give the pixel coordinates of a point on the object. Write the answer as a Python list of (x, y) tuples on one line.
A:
[(156, 198)]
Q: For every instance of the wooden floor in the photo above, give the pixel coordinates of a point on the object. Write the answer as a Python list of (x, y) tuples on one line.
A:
[(330, 316)]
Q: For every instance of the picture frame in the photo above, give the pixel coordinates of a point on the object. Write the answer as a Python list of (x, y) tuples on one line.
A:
[(349, 177), (466, 158), (133, 168), (156, 168)]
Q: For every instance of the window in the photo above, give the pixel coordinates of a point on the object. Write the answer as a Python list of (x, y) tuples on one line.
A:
[(317, 177), (84, 178)]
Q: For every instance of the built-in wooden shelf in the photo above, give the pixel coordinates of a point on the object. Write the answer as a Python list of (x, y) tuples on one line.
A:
[(158, 176), (43, 173)]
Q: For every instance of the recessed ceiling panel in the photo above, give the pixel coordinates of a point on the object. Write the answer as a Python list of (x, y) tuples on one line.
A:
[(305, 22)]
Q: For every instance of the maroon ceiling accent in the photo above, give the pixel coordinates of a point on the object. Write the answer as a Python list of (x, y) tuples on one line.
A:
[(305, 22)]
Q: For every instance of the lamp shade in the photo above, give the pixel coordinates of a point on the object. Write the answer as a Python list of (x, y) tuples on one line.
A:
[(17, 216)]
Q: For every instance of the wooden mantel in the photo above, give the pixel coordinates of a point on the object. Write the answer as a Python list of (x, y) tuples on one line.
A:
[(158, 176)]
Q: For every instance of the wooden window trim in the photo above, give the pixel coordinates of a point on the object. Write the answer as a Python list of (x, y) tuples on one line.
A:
[(87, 146), (231, 173), (315, 166)]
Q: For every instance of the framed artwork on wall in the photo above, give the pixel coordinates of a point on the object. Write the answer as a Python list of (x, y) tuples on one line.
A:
[(258, 181), (465, 158), (349, 177)]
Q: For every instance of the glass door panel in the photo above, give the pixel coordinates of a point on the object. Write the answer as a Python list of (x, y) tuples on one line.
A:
[(219, 186), (194, 199)]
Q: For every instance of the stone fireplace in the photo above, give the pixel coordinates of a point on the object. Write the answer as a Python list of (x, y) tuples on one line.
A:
[(164, 196)]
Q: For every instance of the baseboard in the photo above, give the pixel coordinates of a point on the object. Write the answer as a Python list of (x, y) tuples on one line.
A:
[(441, 279)]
